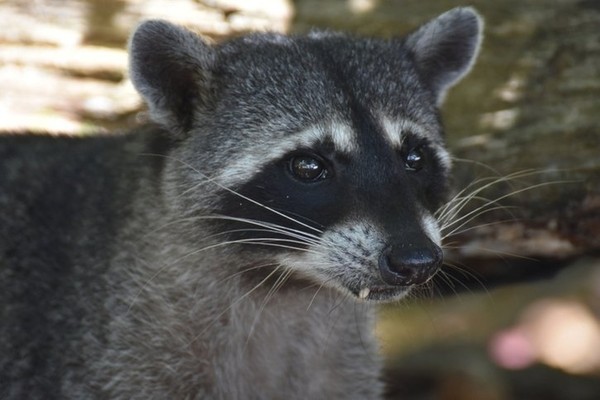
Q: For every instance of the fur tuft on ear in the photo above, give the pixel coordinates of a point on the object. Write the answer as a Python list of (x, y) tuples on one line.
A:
[(171, 68), (446, 47)]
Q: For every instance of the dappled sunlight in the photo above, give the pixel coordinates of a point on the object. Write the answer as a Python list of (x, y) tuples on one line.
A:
[(561, 333), (63, 66), (499, 120), (361, 6)]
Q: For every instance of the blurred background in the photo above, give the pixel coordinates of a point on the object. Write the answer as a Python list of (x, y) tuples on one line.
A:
[(515, 313)]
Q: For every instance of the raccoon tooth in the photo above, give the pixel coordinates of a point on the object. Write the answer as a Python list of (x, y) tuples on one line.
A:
[(364, 292)]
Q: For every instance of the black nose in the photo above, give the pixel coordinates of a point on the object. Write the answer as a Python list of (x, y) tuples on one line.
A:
[(410, 264)]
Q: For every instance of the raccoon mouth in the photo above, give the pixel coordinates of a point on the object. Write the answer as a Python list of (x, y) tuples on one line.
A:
[(382, 293)]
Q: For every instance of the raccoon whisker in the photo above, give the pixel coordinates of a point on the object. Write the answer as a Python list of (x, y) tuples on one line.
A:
[(168, 224), (458, 231), (463, 196), (273, 227), (307, 239), (457, 203), (245, 270), (293, 214), (321, 285), (146, 284), (337, 302), (454, 206), (270, 209), (502, 197), (509, 178), (270, 242), (444, 276), (340, 298), (443, 279), (234, 303), (291, 239), (279, 282), (427, 289), (475, 162), (312, 299), (451, 216), (496, 252), (430, 289), (476, 184), (357, 323), (506, 253), (498, 177), (450, 245), (232, 191), (192, 188), (464, 272), (462, 222), (256, 230), (256, 241), (262, 223)]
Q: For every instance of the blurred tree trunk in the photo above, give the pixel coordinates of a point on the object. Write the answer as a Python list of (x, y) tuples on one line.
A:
[(552, 130)]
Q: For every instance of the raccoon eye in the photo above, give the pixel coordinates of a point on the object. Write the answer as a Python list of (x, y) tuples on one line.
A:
[(414, 159), (307, 169)]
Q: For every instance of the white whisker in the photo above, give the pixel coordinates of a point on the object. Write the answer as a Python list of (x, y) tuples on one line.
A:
[(244, 271), (234, 303), (279, 282), (448, 214), (235, 193)]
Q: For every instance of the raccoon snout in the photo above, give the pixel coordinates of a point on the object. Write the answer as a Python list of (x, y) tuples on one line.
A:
[(410, 264)]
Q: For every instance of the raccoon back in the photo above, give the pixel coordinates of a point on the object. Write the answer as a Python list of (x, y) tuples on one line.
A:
[(63, 201)]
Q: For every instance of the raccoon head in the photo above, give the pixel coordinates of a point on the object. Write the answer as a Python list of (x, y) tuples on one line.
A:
[(324, 152)]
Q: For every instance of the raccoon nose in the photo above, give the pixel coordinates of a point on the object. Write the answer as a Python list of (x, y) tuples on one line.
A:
[(410, 264)]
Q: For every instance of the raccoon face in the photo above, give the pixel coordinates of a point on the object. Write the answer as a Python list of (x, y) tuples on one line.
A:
[(361, 218), (324, 152)]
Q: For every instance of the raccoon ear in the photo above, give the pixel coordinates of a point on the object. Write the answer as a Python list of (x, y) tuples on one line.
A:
[(446, 47), (171, 68)]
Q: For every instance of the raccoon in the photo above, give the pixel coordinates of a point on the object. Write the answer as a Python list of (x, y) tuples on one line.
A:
[(237, 248)]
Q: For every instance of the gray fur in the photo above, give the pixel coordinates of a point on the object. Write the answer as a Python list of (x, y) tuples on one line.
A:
[(445, 59), (116, 278)]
